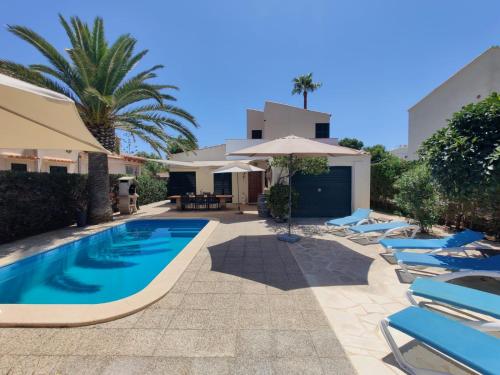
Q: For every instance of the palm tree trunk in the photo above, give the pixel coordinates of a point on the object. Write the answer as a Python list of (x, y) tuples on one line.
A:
[(305, 99), (98, 182)]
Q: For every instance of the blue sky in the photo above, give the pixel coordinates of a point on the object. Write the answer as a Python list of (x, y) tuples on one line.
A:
[(376, 58)]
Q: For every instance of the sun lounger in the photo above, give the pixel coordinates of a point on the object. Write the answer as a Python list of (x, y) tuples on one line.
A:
[(358, 217), (467, 346), (418, 260), (452, 243), (458, 297), (366, 231)]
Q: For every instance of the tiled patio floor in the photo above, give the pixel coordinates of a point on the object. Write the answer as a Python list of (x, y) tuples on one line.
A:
[(241, 307)]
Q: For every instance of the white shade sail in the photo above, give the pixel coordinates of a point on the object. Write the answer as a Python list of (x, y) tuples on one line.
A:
[(293, 145), (32, 117), (238, 168)]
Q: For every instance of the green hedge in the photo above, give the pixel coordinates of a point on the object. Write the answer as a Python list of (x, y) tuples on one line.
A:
[(150, 189), (32, 203), (383, 176)]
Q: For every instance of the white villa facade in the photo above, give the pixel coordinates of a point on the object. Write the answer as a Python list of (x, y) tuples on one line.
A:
[(472, 83), (345, 188), (70, 161)]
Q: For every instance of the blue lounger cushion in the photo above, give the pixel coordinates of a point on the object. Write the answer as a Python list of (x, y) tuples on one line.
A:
[(473, 348), (449, 262), (378, 227), (359, 214), (457, 240), (458, 296)]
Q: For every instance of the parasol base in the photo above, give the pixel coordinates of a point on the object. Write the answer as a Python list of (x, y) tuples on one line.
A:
[(290, 238)]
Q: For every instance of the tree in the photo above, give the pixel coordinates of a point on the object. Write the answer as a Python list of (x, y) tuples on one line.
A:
[(378, 153), (151, 168), (352, 143), (418, 196), (98, 77), (181, 144), (464, 158), (303, 85)]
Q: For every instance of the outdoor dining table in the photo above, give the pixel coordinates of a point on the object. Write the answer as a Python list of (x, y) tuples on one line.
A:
[(223, 198)]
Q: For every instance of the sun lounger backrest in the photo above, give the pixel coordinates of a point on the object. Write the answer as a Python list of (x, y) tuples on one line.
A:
[(463, 238)]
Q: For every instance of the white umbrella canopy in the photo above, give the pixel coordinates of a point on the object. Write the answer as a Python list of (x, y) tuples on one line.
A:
[(298, 146), (238, 168), (294, 146), (37, 118)]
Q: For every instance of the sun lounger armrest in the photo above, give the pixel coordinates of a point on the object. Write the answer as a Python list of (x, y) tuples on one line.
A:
[(413, 228), (460, 274)]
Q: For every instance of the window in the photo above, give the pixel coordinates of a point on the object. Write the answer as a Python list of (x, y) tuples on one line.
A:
[(132, 170), (18, 167), (56, 169), (323, 130), (256, 134)]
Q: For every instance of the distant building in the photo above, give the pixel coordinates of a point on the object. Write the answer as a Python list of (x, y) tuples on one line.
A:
[(345, 188), (472, 83), (401, 152)]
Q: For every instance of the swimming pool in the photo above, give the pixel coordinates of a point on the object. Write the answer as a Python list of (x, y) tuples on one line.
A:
[(104, 267)]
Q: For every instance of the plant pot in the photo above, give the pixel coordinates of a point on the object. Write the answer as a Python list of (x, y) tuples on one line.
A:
[(81, 218)]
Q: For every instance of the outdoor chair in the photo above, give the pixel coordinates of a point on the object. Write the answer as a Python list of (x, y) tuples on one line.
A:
[(200, 202), (213, 202), (358, 217), (373, 233), (409, 261), (467, 346), (458, 297), (453, 243)]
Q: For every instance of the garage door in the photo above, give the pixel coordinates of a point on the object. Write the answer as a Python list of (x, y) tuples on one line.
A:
[(326, 195), (181, 183)]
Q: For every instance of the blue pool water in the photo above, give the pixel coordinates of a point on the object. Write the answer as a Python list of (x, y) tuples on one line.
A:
[(103, 267)]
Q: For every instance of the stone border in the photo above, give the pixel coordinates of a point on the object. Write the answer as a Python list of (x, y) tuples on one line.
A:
[(69, 315)]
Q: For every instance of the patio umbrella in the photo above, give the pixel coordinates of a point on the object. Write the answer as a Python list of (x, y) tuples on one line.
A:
[(36, 118), (294, 146), (238, 168)]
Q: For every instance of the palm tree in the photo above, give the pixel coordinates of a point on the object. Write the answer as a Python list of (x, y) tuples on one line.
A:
[(303, 85), (97, 76)]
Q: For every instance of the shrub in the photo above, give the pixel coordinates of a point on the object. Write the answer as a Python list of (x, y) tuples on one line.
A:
[(278, 200), (33, 203), (418, 197), (464, 158), (383, 176), (151, 189)]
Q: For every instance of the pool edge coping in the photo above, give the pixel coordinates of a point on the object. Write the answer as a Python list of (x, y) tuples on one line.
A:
[(73, 315)]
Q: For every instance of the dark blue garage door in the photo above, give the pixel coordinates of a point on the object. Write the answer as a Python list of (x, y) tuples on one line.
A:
[(326, 195)]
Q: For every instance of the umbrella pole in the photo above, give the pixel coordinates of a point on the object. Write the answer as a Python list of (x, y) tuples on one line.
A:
[(238, 184)]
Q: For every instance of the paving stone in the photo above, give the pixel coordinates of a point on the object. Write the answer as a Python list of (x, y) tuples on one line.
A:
[(254, 319), (293, 344), (297, 366), (255, 343), (197, 343), (169, 301), (82, 365), (252, 366), (211, 366), (140, 342), (155, 318)]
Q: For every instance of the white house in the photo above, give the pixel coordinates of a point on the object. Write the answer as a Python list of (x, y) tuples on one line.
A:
[(400, 151), (69, 161), (337, 193), (472, 83)]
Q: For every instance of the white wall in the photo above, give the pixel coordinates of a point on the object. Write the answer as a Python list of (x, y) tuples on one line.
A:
[(282, 120), (472, 83), (204, 154), (255, 121)]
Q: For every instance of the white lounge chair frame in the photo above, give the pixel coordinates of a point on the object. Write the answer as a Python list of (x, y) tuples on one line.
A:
[(462, 249), (400, 359), (482, 325), (344, 228), (409, 231)]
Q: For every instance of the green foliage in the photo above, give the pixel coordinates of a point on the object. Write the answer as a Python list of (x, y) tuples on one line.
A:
[(34, 203), (464, 158), (181, 144), (303, 85), (418, 197), (309, 166), (99, 77), (278, 200), (351, 143), (151, 189), (378, 153), (151, 168), (383, 176)]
